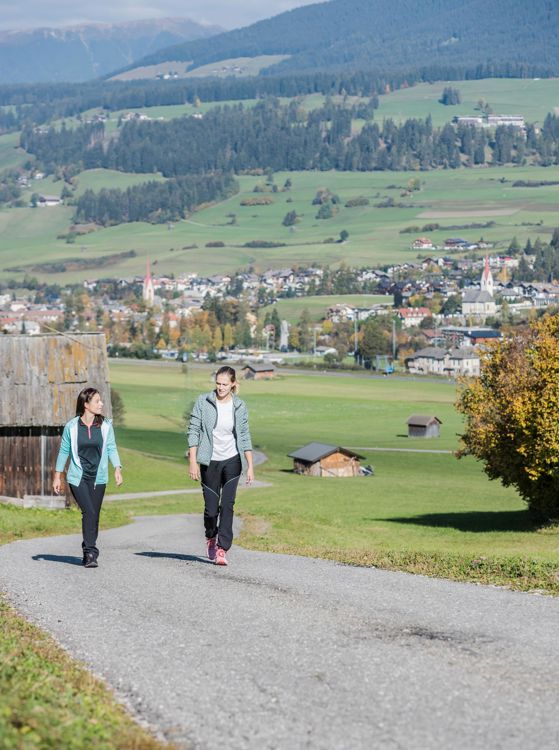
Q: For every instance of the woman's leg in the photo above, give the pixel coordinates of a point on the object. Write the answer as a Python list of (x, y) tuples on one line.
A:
[(230, 475), (89, 499), (211, 489)]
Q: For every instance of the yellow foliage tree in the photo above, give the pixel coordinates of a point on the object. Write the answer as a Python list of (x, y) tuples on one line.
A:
[(512, 414)]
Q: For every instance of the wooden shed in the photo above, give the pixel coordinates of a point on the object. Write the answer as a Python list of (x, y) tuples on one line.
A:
[(424, 425), (40, 378), (258, 372), (322, 460)]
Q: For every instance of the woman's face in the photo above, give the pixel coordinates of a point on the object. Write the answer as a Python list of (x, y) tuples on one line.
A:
[(94, 405), (223, 385)]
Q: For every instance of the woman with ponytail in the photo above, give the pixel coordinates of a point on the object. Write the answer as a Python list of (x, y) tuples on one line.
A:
[(220, 449)]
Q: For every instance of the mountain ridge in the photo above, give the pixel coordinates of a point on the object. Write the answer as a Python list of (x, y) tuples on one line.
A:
[(84, 51), (388, 34)]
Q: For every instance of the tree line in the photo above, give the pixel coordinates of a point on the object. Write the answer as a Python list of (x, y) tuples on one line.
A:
[(154, 201), (38, 104), (272, 136)]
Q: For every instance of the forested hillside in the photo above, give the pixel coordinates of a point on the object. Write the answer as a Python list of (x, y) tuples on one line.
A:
[(391, 35), (235, 140)]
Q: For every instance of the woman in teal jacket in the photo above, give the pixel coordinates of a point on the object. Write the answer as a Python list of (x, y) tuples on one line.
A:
[(220, 448), (88, 441)]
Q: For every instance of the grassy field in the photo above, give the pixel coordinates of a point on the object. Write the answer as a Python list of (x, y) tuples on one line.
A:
[(422, 511), (48, 700), (290, 309), (10, 155), (451, 198), (96, 179), (533, 98)]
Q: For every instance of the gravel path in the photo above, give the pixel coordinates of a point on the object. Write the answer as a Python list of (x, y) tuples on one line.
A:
[(284, 652)]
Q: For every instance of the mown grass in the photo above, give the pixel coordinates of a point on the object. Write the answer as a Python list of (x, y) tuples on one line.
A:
[(422, 512), (451, 198), (533, 98), (290, 309), (49, 701)]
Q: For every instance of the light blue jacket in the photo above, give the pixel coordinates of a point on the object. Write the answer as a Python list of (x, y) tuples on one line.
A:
[(203, 421), (69, 447)]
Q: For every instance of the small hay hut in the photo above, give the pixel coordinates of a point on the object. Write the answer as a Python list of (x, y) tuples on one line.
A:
[(40, 378), (323, 460), (259, 372), (424, 425)]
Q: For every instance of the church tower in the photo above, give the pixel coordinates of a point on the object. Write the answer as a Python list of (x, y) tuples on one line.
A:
[(487, 278), (148, 292)]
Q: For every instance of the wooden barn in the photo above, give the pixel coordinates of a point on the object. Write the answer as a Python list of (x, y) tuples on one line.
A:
[(258, 372), (40, 378), (322, 460), (424, 425)]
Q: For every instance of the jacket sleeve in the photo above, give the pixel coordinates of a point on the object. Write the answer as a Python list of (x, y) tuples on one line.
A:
[(195, 424), (64, 452), (243, 430), (111, 448)]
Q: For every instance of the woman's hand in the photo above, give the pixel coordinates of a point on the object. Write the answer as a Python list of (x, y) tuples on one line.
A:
[(250, 475), (118, 476), (57, 483), (194, 471)]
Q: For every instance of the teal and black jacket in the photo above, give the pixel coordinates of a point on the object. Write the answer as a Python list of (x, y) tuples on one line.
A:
[(69, 448), (203, 421)]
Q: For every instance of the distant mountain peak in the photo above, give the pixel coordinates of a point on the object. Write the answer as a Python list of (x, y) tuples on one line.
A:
[(83, 51)]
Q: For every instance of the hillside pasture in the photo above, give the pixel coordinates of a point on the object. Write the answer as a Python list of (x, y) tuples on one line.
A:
[(422, 511), (11, 155), (97, 179), (533, 98), (290, 309), (457, 197)]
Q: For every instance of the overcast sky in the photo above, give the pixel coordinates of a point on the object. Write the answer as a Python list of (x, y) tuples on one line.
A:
[(15, 14)]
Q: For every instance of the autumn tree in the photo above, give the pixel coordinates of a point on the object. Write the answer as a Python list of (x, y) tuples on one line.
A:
[(512, 415)]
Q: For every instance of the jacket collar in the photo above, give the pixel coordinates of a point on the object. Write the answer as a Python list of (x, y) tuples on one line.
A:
[(212, 398)]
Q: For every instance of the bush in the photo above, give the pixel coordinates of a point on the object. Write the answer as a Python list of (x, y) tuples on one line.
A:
[(512, 415)]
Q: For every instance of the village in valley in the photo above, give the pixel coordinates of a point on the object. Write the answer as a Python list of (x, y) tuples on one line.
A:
[(441, 309)]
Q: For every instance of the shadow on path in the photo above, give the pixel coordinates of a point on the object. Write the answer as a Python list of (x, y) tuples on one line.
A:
[(476, 521), (68, 559), (176, 556)]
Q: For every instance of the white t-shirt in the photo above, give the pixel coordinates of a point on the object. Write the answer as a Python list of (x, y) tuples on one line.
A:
[(224, 445)]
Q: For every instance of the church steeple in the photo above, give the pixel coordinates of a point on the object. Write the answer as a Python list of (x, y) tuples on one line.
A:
[(487, 284), (148, 291)]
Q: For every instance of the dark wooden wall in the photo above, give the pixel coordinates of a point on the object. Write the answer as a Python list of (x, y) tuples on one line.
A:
[(27, 460)]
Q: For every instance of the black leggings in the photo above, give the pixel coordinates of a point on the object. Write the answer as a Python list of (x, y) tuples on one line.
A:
[(219, 485), (89, 497)]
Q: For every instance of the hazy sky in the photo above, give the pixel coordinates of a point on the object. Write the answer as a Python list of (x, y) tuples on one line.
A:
[(228, 13)]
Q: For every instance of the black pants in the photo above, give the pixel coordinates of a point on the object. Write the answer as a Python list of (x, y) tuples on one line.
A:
[(219, 485), (89, 497)]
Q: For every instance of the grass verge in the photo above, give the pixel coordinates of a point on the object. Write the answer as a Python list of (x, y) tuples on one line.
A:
[(515, 572), (47, 699)]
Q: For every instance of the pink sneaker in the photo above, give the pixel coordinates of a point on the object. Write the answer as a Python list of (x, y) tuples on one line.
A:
[(211, 546), (220, 558)]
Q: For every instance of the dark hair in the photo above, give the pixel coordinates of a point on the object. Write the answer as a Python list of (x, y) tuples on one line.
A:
[(226, 370), (84, 397)]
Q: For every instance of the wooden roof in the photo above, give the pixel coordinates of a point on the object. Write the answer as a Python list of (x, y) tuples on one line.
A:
[(316, 451), (423, 420), (41, 376)]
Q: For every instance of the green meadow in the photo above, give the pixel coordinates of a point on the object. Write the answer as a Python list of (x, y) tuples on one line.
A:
[(290, 309), (449, 197), (533, 98), (423, 510)]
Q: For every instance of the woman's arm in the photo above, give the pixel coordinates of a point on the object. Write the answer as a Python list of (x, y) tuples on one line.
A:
[(62, 458), (194, 467), (250, 467)]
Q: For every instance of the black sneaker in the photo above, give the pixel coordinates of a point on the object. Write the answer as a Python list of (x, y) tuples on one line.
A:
[(90, 560)]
